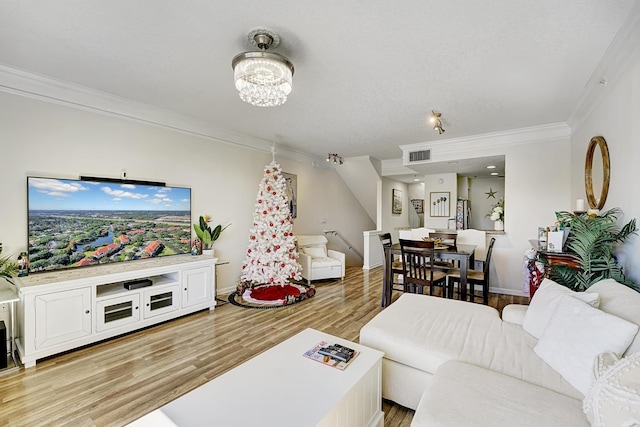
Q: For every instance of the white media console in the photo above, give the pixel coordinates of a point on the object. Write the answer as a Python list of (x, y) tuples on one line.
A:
[(63, 310)]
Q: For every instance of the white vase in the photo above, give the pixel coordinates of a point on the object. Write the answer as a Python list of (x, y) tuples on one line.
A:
[(498, 225), (207, 252)]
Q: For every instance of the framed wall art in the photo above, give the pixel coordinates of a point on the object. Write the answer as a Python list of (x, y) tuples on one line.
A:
[(439, 203), (292, 192), (396, 201), (418, 205)]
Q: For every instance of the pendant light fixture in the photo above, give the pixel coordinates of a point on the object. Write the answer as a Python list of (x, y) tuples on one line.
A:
[(437, 123), (262, 78)]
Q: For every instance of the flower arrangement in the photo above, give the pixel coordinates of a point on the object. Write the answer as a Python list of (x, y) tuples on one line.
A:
[(206, 233), (496, 213)]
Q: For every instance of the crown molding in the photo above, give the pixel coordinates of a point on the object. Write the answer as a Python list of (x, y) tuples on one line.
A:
[(549, 132), (46, 89), (622, 51)]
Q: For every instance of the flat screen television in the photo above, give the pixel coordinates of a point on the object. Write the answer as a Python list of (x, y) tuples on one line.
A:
[(90, 221)]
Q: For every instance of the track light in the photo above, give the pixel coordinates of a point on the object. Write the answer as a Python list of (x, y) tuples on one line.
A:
[(437, 123), (331, 157)]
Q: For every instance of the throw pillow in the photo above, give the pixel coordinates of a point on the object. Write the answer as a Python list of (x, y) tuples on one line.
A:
[(613, 398), (576, 334), (315, 252), (544, 304)]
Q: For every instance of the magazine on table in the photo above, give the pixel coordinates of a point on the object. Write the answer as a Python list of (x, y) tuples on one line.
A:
[(334, 355)]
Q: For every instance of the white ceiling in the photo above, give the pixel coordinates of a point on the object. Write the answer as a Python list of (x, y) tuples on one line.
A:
[(367, 73)]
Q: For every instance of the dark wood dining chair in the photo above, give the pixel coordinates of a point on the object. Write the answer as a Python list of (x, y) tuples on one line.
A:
[(418, 268), (474, 277), (396, 264), (446, 239)]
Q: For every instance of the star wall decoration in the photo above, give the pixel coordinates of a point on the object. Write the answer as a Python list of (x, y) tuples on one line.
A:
[(491, 193)]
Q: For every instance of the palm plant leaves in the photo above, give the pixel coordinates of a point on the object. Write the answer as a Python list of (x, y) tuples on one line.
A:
[(592, 241), (8, 268)]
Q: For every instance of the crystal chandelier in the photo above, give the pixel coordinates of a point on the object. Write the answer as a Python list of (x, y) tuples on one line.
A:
[(263, 79)]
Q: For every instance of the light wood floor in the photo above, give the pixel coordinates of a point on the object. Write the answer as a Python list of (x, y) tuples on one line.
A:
[(118, 381)]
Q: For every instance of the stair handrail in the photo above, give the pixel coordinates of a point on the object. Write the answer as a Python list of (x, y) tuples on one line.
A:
[(349, 245)]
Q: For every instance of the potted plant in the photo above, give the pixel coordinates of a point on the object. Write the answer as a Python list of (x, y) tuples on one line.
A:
[(207, 234), (496, 214), (592, 239), (8, 268)]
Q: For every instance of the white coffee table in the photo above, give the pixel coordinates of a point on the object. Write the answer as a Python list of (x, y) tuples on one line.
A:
[(281, 387)]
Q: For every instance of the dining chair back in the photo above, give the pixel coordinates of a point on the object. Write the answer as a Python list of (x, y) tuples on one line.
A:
[(474, 278), (447, 239), (396, 265), (418, 269), (471, 236)]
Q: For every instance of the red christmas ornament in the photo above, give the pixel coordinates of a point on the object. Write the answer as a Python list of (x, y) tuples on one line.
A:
[(249, 250), (268, 250), (273, 236), (253, 237), (270, 224), (277, 208), (264, 212), (268, 188), (282, 265), (271, 279), (267, 171), (274, 193), (277, 247), (259, 201), (282, 222)]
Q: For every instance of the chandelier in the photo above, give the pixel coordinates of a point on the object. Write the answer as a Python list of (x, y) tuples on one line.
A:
[(334, 158), (262, 78), (437, 123)]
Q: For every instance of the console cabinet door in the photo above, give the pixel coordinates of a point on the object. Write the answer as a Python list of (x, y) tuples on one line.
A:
[(197, 286), (62, 316)]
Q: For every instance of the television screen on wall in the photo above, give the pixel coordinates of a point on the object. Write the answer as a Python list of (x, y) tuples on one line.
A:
[(85, 222)]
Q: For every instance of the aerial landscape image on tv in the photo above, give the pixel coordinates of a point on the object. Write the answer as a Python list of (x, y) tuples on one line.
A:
[(78, 223)]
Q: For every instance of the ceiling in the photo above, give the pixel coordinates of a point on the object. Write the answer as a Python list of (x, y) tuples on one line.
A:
[(367, 73)]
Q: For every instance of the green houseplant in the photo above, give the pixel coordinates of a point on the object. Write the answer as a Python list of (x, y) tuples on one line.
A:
[(8, 268), (207, 234), (591, 241)]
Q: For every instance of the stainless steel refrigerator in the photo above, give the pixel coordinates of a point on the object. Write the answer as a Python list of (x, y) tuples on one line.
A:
[(463, 215)]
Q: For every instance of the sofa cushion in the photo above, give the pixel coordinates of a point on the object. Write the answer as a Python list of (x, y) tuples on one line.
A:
[(621, 301), (465, 395), (315, 252), (544, 303), (514, 313), (576, 334), (613, 398), (424, 332)]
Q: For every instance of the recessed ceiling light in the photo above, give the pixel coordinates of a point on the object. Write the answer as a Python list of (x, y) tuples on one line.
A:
[(416, 179), (491, 167), (494, 173)]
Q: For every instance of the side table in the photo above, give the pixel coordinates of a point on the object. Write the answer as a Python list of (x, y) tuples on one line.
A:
[(9, 296)]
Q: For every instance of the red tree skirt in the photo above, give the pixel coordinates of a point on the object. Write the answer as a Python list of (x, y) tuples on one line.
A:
[(274, 292)]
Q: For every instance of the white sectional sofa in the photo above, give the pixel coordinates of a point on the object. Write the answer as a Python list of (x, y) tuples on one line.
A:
[(460, 364)]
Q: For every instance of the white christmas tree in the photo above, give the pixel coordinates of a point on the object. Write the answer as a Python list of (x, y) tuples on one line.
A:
[(272, 257)]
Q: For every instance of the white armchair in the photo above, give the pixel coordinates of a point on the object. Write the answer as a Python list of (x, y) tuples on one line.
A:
[(317, 262)]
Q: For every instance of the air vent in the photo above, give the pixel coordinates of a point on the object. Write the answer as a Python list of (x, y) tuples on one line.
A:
[(419, 156)]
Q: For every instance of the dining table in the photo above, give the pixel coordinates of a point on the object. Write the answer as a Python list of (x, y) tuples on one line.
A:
[(463, 253)]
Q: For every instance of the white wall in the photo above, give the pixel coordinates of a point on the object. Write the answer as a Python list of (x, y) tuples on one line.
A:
[(481, 202), (391, 222), (45, 139), (437, 183), (616, 118)]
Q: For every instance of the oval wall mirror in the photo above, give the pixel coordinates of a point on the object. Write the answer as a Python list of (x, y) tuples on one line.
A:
[(596, 172)]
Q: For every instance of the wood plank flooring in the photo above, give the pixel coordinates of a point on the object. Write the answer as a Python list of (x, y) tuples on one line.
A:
[(117, 381)]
